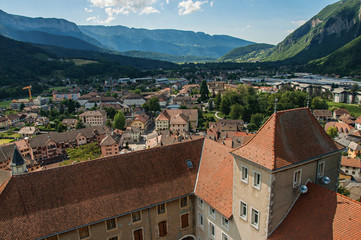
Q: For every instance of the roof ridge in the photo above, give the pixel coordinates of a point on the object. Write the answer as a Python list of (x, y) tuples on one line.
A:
[(274, 141)]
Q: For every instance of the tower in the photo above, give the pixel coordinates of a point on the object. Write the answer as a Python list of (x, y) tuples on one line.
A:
[(18, 165)]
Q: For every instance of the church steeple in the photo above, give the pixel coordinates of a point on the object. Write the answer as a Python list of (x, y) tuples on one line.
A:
[(18, 165)]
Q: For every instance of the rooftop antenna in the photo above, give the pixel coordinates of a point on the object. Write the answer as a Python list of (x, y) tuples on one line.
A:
[(276, 100)]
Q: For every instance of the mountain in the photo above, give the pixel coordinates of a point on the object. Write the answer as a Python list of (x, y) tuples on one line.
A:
[(48, 31), (167, 41), (345, 61), (166, 57), (335, 26), (250, 53)]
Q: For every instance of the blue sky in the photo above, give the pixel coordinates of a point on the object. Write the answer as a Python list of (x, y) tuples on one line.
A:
[(268, 21)]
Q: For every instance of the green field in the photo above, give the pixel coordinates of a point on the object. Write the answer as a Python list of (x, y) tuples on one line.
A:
[(5, 141), (58, 88), (79, 62), (354, 109), (5, 103), (11, 135)]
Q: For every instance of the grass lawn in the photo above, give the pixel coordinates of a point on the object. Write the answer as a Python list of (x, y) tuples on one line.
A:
[(5, 141), (58, 88), (12, 135), (354, 109), (79, 62), (5, 103)]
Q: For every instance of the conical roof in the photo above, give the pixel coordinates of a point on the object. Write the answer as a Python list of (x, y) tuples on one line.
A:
[(17, 160), (288, 137)]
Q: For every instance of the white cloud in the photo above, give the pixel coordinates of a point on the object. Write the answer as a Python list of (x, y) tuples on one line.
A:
[(211, 3), (149, 10), (88, 10), (135, 6), (91, 19), (188, 7), (299, 22)]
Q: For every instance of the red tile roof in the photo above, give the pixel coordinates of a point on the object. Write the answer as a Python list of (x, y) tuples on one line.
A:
[(341, 127), (321, 214), (288, 137), (41, 203), (215, 177), (350, 162)]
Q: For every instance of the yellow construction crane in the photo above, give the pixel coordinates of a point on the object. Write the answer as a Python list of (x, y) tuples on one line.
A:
[(28, 87)]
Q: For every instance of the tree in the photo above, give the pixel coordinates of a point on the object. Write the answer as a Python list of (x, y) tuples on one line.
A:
[(61, 127), (137, 91), (119, 120), (107, 94), (217, 101), (256, 121), (332, 132), (236, 111), (204, 90), (110, 112), (108, 123), (79, 124), (153, 104), (210, 105), (61, 109), (343, 191), (319, 103), (115, 95), (225, 105), (22, 106), (182, 107)]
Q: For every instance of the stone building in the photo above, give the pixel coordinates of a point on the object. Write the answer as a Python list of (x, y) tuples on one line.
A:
[(280, 185), (94, 118)]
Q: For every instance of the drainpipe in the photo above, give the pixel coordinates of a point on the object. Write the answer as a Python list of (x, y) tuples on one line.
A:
[(150, 225)]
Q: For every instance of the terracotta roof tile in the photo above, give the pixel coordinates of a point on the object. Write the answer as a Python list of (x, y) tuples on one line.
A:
[(41, 203), (281, 137), (321, 214), (350, 162), (215, 177)]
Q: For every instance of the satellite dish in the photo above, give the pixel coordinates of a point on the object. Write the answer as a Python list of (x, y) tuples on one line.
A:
[(303, 189), (326, 180)]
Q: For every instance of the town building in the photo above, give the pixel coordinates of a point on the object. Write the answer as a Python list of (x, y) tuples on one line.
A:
[(94, 118), (28, 131), (358, 123), (322, 115), (339, 112), (142, 121), (175, 119), (16, 103), (354, 149), (351, 166), (111, 145), (66, 94), (70, 123), (133, 100), (280, 185)]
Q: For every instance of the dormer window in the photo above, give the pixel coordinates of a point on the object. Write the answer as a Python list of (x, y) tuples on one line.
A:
[(297, 178), (321, 169), (189, 163)]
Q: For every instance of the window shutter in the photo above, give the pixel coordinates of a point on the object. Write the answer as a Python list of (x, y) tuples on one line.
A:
[(162, 229), (185, 222), (138, 234)]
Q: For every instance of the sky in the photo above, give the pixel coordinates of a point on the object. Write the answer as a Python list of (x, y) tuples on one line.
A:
[(262, 21)]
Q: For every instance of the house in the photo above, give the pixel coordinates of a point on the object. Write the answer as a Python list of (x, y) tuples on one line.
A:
[(340, 126), (16, 103), (163, 121), (67, 94), (274, 187), (339, 95), (322, 115), (339, 112), (111, 145), (28, 131), (348, 119), (182, 100), (354, 149), (141, 121), (14, 118), (6, 153), (31, 118), (94, 118), (358, 123), (216, 87), (70, 123), (131, 135), (351, 166), (5, 122), (133, 100)]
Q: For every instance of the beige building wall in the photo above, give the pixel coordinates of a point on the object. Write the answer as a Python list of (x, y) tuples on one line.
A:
[(148, 223), (254, 198), (110, 150), (162, 125)]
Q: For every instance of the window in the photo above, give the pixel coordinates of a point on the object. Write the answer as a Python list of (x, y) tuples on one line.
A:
[(111, 224), (162, 229), (224, 236), (353, 172), (321, 169), (161, 208), (212, 230), (136, 217), (200, 220), (297, 178), (184, 202), (83, 232), (138, 234), (255, 218), (113, 238), (244, 174), (243, 210), (225, 222), (256, 180), (184, 221), (212, 212), (200, 203)]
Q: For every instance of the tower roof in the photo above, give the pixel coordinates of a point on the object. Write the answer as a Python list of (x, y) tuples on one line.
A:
[(288, 137), (17, 160)]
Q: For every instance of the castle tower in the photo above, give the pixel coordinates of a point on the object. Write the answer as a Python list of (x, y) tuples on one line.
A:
[(18, 165)]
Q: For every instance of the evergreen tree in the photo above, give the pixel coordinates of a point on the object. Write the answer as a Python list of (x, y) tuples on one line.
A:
[(236, 111), (119, 120), (225, 105), (204, 90), (79, 124), (22, 106), (210, 104), (217, 101), (61, 127)]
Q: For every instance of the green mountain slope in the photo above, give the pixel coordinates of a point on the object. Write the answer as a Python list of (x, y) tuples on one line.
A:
[(332, 28), (166, 57), (250, 53), (344, 61)]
